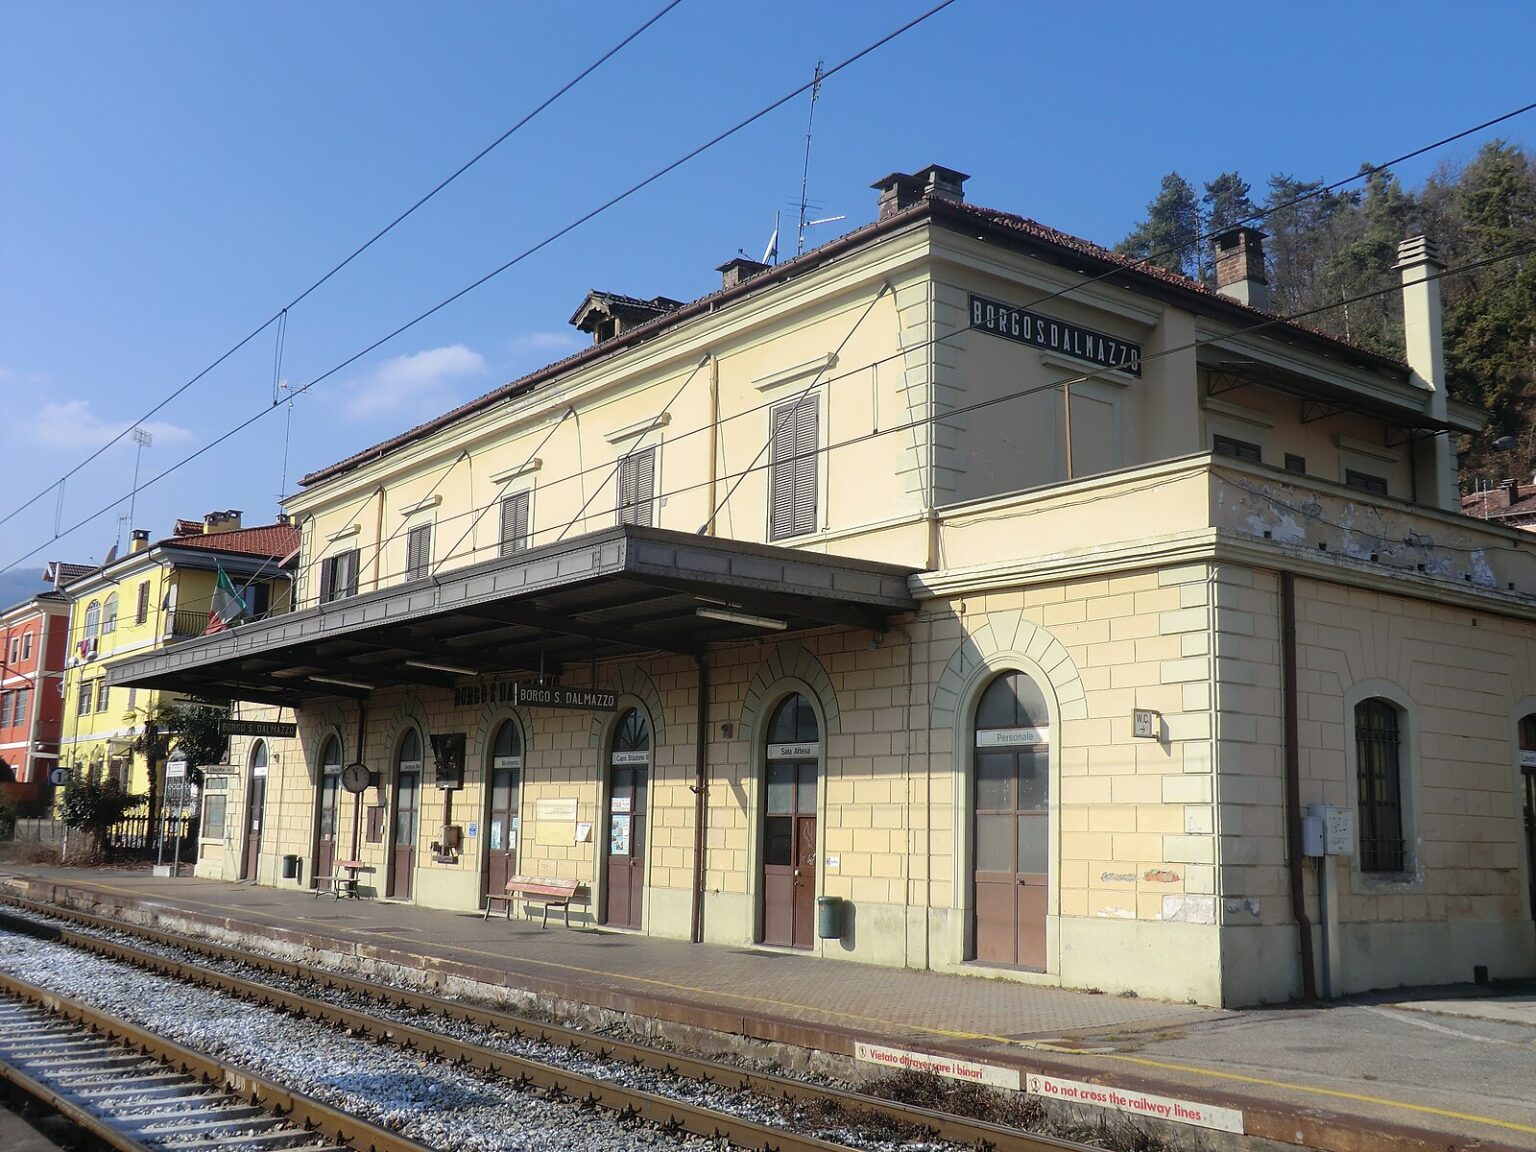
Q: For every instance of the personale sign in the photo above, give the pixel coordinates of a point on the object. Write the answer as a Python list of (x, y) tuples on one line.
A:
[(518, 692), (256, 728), (1053, 335)]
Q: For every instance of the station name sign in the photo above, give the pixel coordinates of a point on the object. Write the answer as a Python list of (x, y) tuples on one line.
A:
[(517, 692), (256, 728), (1052, 335)]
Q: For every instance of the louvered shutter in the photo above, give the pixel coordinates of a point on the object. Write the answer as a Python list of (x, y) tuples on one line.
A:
[(418, 552), (514, 523), (792, 468), (637, 486), (327, 579)]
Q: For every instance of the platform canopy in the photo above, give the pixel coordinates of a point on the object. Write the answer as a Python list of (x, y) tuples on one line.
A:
[(611, 593)]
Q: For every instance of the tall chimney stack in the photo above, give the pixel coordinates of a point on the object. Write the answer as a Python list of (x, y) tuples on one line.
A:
[(734, 271), (138, 540), (1240, 266), (1424, 347)]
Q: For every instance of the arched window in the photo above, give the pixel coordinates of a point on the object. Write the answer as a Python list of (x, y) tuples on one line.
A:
[(109, 617), (93, 620), (330, 788), (1379, 775), (259, 756)]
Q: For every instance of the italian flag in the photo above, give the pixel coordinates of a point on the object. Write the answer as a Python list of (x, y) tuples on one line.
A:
[(227, 606)]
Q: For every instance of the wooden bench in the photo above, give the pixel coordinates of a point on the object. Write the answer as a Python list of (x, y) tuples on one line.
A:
[(342, 882), (550, 893)]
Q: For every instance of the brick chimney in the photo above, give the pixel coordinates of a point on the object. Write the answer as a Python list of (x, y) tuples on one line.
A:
[(733, 272), (227, 521), (138, 540), (901, 190), (1423, 338), (1240, 266)]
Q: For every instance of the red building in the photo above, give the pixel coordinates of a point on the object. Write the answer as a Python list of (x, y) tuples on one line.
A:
[(33, 638)]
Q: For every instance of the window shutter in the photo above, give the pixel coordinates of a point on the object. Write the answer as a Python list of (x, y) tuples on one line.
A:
[(141, 612), (418, 552), (792, 468), (637, 486), (514, 523), (327, 579), (348, 580)]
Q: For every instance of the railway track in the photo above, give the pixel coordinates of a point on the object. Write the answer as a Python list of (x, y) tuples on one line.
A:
[(135, 1091), (873, 1113)]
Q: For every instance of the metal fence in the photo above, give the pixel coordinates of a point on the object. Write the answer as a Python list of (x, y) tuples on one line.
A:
[(139, 835)]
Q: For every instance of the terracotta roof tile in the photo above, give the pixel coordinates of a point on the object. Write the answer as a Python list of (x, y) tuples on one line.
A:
[(264, 540)]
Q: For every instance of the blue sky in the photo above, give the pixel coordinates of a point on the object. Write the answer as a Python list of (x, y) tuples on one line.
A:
[(171, 174)]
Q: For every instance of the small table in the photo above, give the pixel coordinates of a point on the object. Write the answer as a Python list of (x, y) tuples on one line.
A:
[(342, 883)]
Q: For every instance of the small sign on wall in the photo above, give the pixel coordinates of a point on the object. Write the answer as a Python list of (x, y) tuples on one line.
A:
[(1144, 724)]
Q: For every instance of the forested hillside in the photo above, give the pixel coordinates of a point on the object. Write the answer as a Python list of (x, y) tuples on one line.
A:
[(1334, 246)]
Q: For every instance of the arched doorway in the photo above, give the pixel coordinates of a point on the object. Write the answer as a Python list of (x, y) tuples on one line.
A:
[(402, 865), (791, 768), (255, 809), (1010, 864), (1528, 782), (629, 771), (505, 774), (327, 809)]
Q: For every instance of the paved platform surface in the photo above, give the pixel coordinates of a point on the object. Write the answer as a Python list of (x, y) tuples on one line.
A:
[(1427, 1069)]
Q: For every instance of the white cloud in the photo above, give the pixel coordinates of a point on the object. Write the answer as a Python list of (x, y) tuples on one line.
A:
[(411, 382), (554, 345), (72, 424)]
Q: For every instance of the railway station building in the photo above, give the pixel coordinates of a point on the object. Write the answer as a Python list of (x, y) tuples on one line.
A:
[(1045, 616)]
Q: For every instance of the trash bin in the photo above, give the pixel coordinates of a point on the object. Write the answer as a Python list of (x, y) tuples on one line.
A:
[(829, 917), (290, 867)]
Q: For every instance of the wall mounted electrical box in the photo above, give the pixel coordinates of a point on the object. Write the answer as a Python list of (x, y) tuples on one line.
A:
[(1336, 826)]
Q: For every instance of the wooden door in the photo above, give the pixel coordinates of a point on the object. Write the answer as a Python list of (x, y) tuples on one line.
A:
[(1011, 829), (629, 768), (327, 810), (255, 812), (788, 883), (1528, 779), (402, 871), (502, 807)]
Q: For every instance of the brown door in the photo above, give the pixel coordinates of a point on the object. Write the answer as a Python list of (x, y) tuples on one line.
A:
[(629, 769), (501, 817), (402, 870), (255, 812), (327, 810), (1010, 865), (1528, 778), (789, 825)]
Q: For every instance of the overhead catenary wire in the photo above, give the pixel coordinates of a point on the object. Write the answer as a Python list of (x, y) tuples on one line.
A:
[(497, 271), (280, 316), (991, 402)]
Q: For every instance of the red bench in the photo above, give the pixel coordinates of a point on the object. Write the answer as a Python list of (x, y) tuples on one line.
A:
[(550, 893)]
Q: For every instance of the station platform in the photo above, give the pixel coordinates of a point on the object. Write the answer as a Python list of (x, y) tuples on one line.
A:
[(1413, 1069)]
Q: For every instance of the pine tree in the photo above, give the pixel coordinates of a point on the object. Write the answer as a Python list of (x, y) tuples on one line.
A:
[(1169, 237)]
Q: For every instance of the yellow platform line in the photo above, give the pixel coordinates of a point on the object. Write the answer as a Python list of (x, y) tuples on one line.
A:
[(950, 1033)]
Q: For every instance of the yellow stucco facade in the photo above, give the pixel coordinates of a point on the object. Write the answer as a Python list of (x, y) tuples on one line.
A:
[(1205, 561)]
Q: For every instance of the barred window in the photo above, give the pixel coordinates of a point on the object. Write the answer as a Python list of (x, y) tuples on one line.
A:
[(792, 471), (418, 552), (1378, 765), (514, 523), (637, 487), (338, 576)]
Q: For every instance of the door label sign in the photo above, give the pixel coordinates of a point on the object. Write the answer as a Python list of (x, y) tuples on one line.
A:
[(946, 1066), (623, 759), (502, 762), (1007, 737), (619, 804), (1527, 758), (793, 751), (1053, 335), (1137, 1103)]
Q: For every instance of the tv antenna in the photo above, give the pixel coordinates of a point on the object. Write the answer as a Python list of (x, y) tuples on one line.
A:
[(805, 170), (141, 440)]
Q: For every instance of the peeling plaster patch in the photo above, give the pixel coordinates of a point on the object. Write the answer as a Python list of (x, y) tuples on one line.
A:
[(1116, 914), (1190, 909), (1161, 876), (1235, 905), (1118, 877), (1482, 571)]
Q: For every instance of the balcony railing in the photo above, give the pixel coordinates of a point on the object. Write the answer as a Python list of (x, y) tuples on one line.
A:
[(187, 623)]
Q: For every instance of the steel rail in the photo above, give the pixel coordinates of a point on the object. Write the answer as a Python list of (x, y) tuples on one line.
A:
[(303, 1112), (856, 1106)]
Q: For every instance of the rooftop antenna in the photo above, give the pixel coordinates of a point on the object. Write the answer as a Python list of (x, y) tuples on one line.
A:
[(805, 170), (141, 440), (123, 520)]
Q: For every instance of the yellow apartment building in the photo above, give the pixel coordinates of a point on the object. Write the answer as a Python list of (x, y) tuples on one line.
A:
[(156, 594), (1036, 615)]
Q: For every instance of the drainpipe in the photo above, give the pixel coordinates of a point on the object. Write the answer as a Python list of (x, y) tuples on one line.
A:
[(714, 442), (700, 800), (1293, 783), (357, 797)]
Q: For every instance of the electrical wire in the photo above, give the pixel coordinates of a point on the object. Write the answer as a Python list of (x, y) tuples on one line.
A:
[(548, 240), (280, 316)]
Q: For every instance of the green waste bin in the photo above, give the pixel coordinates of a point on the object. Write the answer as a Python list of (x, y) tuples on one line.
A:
[(290, 867), (829, 917)]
